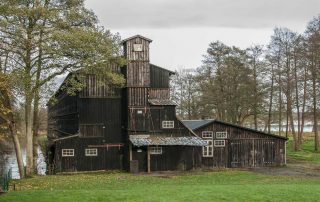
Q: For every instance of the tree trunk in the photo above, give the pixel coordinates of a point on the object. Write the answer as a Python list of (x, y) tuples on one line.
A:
[(29, 136), (297, 99), (35, 129), (315, 117), (255, 93), (270, 100), (303, 105), (17, 148), (280, 104)]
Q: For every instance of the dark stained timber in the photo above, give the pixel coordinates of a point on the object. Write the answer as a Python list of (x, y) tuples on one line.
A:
[(104, 127)]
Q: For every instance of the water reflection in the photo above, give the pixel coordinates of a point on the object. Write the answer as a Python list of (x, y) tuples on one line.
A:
[(8, 160)]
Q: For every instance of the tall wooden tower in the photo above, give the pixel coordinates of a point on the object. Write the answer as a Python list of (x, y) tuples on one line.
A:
[(137, 72)]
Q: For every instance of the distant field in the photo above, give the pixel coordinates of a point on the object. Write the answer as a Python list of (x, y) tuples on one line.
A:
[(203, 186)]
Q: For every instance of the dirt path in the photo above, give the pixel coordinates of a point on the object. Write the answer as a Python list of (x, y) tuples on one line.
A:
[(293, 168)]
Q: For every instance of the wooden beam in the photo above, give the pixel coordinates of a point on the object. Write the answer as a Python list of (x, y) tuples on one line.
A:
[(285, 153), (148, 157), (130, 151)]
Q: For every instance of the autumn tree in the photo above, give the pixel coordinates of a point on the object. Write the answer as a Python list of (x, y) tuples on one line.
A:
[(45, 39)]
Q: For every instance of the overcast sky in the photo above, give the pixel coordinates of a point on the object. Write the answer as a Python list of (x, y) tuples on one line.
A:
[(182, 29)]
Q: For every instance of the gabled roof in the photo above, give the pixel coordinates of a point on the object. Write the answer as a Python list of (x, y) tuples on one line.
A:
[(156, 66), (197, 124), (136, 36)]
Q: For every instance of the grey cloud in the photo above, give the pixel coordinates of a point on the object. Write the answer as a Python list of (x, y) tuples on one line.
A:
[(203, 13)]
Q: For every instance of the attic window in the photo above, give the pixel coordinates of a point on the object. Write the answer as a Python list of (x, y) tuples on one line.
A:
[(167, 124), (137, 47), (67, 152), (207, 134), (221, 135)]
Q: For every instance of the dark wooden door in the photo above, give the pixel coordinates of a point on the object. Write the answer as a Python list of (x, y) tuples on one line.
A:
[(140, 154)]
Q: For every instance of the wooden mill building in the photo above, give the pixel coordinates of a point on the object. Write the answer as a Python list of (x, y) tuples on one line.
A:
[(103, 128), (233, 146), (135, 127)]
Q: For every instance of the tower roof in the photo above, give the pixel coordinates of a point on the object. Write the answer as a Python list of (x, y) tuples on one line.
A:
[(136, 36)]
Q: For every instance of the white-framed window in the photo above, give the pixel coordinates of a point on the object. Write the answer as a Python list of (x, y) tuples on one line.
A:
[(155, 150), (91, 152), (207, 134), (219, 143), (221, 135), (167, 124), (67, 152), (207, 151)]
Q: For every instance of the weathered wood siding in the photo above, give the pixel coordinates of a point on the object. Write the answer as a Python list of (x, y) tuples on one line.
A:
[(243, 148), (137, 96), (63, 116), (137, 55), (172, 158), (108, 158), (139, 119), (138, 74), (101, 118), (137, 68), (98, 87), (159, 77), (159, 93)]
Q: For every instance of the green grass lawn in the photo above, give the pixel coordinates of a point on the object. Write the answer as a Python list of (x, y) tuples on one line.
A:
[(306, 152), (203, 186)]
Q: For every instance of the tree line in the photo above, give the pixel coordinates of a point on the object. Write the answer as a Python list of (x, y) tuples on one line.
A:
[(39, 41), (277, 83)]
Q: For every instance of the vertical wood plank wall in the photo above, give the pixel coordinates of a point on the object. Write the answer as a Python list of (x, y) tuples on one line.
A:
[(244, 148)]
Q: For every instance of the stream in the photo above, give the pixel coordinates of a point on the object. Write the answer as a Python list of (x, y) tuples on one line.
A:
[(8, 160)]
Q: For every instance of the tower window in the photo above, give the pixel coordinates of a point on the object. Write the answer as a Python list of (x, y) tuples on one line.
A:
[(167, 124)]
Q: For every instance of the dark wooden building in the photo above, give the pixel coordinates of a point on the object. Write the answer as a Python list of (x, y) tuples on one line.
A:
[(135, 127), (233, 146), (103, 128)]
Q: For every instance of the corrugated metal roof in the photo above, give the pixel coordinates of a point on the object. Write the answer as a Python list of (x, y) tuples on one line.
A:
[(194, 124), (161, 102), (146, 140)]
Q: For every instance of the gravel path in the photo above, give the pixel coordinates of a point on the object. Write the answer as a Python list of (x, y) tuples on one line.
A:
[(293, 168)]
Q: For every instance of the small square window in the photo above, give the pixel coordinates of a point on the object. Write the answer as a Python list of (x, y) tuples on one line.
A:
[(155, 150), (137, 47), (219, 143), (207, 134), (92, 152), (167, 124), (221, 135), (67, 152)]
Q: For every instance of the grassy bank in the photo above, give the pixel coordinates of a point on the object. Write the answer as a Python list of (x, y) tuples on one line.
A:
[(306, 152), (203, 186)]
